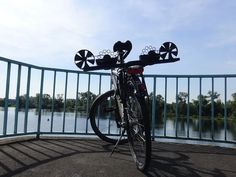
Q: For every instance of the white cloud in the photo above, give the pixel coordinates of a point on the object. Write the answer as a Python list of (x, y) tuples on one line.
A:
[(31, 30), (225, 35), (48, 33), (170, 14)]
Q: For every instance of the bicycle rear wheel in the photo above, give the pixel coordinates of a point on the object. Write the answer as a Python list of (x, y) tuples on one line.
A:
[(139, 131), (105, 118)]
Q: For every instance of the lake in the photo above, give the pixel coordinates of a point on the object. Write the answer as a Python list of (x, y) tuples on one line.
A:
[(82, 121)]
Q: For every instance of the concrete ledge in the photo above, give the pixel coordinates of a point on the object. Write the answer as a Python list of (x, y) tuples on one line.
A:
[(90, 157)]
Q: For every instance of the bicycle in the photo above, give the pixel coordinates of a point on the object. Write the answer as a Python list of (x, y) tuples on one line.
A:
[(126, 105)]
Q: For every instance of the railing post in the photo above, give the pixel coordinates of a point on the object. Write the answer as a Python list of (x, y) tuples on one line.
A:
[(109, 121), (225, 110), (154, 108), (88, 101), (188, 109), (6, 98), (27, 100), (99, 93), (76, 103), (53, 100), (176, 108), (212, 110), (65, 98), (40, 104), (165, 118), (17, 99), (200, 108)]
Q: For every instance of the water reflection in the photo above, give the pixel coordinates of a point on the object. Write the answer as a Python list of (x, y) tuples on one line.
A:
[(197, 127)]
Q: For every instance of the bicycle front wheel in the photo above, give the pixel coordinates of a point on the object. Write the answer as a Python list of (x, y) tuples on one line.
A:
[(139, 131), (105, 119)]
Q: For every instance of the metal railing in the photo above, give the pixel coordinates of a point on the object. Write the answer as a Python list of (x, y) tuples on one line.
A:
[(38, 100)]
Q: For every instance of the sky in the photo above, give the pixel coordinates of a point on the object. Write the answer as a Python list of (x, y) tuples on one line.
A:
[(49, 32)]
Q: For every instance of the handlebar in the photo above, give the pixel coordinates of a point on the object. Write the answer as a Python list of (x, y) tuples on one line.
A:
[(86, 61), (128, 64)]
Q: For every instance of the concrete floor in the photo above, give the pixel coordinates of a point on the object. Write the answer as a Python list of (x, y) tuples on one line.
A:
[(90, 158)]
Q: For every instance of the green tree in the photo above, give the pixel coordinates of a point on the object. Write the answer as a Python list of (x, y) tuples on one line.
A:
[(213, 95), (159, 107), (218, 105), (182, 98), (22, 99), (1, 102), (70, 104), (204, 102), (58, 102), (46, 101), (84, 99), (32, 102), (232, 106)]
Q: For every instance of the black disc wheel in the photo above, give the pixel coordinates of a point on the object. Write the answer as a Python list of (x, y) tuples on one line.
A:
[(84, 59), (168, 51), (139, 131), (105, 118)]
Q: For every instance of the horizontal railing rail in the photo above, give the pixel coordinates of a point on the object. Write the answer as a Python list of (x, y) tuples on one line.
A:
[(38, 100)]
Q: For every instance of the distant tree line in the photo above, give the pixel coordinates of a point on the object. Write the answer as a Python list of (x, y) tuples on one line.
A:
[(206, 101), (58, 103), (85, 100)]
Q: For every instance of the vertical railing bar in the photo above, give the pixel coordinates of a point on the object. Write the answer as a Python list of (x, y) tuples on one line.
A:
[(176, 108), (17, 99), (188, 110), (212, 109), (76, 102), (99, 93), (225, 110), (109, 120), (88, 100), (65, 99), (200, 108), (100, 86), (27, 100), (165, 118), (53, 100), (6, 100), (40, 103), (154, 108)]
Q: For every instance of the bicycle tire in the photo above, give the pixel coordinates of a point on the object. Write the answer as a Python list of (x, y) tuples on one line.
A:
[(94, 118), (138, 131)]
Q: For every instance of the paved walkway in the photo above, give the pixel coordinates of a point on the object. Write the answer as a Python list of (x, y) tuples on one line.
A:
[(90, 158)]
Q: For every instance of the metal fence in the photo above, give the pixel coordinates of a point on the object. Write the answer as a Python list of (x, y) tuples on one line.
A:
[(38, 100)]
